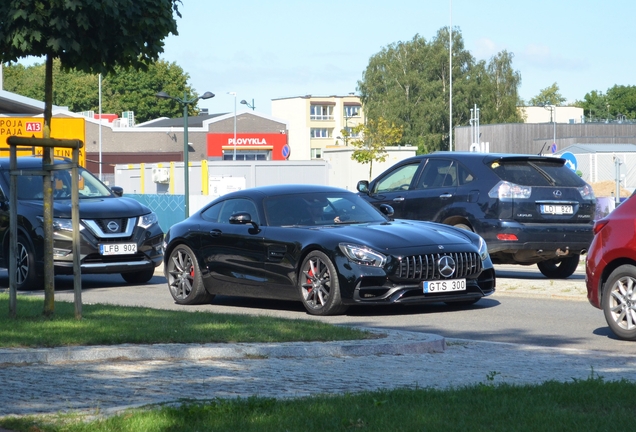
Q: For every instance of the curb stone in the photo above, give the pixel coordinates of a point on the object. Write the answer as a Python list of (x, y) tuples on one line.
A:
[(392, 342)]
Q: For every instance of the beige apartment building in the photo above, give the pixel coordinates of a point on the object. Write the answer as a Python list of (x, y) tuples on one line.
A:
[(316, 122)]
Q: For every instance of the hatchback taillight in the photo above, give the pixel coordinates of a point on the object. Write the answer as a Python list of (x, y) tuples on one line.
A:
[(599, 224)]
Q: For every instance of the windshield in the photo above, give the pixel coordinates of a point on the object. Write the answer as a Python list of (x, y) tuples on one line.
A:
[(30, 186), (327, 208)]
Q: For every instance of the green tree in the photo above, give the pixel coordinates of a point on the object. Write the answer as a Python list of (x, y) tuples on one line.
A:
[(548, 96), (376, 136), (122, 90), (595, 105), (501, 97), (622, 101), (93, 36), (407, 83)]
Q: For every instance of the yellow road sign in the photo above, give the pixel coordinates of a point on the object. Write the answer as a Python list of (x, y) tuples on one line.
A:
[(33, 127)]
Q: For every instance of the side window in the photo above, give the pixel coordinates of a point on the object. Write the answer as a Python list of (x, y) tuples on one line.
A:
[(398, 180), (238, 205), (212, 213), (438, 173), (464, 176)]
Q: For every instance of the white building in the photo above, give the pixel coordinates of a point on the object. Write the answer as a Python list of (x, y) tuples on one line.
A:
[(557, 114), (316, 122)]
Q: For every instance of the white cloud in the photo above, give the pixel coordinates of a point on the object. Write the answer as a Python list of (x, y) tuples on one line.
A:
[(541, 57), (485, 48)]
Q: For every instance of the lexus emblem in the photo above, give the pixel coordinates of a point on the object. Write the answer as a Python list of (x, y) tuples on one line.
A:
[(557, 193), (113, 226), (446, 266)]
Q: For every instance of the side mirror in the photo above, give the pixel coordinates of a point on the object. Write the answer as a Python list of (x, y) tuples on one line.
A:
[(387, 210), (363, 186), (244, 218), (117, 191)]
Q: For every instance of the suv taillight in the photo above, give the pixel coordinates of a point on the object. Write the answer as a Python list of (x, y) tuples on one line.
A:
[(507, 191), (587, 193)]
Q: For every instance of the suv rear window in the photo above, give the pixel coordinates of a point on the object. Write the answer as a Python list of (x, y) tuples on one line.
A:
[(536, 173)]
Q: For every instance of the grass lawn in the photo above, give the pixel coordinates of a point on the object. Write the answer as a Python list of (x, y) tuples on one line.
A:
[(109, 325), (587, 405)]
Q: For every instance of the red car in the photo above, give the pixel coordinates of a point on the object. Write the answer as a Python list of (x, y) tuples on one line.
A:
[(610, 269)]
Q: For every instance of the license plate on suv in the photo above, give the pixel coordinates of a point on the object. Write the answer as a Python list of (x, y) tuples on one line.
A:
[(118, 248), (444, 286), (557, 209)]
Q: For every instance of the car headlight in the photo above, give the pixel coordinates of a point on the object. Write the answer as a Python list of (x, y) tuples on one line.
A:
[(362, 255), (483, 249), (60, 224), (147, 220)]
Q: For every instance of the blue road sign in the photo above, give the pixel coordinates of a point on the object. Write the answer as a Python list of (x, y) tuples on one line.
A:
[(286, 151), (570, 160)]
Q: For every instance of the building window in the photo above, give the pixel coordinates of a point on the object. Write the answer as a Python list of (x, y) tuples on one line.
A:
[(352, 133), (352, 111), (247, 155), (321, 112), (321, 133), (316, 153)]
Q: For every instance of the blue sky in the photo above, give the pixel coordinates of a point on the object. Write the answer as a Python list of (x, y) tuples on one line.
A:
[(264, 50)]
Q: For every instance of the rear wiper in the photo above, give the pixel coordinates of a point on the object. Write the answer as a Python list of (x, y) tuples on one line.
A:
[(547, 176)]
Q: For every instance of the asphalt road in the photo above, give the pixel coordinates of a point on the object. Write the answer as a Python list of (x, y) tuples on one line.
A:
[(526, 309)]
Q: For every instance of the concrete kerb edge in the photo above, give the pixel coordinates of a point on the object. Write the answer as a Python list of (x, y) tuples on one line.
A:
[(395, 343)]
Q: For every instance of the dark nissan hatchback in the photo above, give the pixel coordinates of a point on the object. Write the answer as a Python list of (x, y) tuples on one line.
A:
[(529, 209), (117, 234)]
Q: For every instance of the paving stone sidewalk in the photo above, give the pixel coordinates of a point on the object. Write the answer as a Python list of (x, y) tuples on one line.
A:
[(107, 385)]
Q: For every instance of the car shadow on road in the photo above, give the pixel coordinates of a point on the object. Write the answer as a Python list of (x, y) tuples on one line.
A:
[(361, 311), (523, 273), (67, 282)]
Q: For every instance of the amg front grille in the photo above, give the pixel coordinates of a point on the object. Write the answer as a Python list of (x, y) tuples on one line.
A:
[(426, 267)]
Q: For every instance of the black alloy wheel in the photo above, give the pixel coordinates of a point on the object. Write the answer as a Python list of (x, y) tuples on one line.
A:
[(184, 277), (319, 287)]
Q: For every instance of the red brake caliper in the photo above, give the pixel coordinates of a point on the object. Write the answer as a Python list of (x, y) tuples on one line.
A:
[(309, 273)]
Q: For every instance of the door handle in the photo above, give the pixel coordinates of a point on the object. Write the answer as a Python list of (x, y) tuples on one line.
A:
[(216, 232), (398, 199), (446, 196)]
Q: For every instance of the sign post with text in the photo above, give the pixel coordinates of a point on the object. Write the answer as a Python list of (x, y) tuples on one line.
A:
[(33, 127)]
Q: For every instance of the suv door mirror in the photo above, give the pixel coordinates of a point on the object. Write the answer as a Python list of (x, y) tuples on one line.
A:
[(363, 186)]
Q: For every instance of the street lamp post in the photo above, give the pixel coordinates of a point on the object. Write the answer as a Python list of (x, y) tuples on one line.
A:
[(244, 102), (186, 175), (552, 109), (234, 94)]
